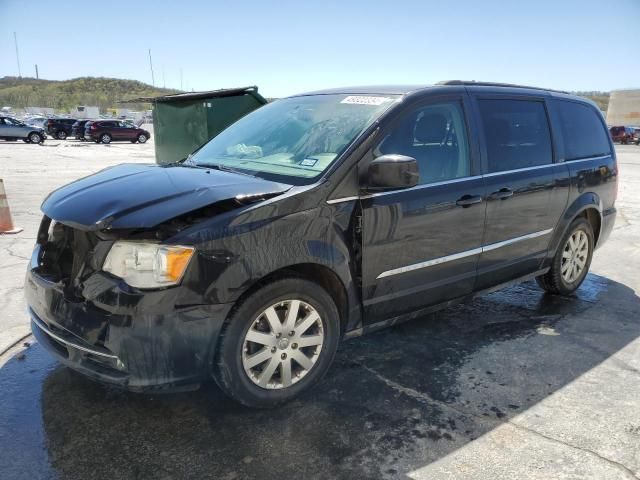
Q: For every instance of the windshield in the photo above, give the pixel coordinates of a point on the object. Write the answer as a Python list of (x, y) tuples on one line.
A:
[(295, 139)]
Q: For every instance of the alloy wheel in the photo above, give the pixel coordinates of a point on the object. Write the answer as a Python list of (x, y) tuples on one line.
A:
[(282, 344), (574, 256)]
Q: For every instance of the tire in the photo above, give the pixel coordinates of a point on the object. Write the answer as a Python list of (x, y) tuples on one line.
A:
[(35, 138), (566, 282), (105, 138), (233, 365), (61, 135), (142, 138)]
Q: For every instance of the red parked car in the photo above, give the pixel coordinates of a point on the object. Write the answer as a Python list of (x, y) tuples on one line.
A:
[(107, 131), (623, 135)]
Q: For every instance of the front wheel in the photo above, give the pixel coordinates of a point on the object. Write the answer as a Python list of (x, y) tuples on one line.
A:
[(35, 138), (279, 342), (142, 138), (572, 260)]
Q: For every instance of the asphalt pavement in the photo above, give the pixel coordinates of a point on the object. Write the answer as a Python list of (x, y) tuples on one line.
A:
[(517, 384)]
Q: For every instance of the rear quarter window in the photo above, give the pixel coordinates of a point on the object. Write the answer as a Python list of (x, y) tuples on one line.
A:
[(582, 130)]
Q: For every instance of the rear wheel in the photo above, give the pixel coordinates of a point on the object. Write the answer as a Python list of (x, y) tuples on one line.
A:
[(61, 135), (572, 260), (105, 138), (277, 343)]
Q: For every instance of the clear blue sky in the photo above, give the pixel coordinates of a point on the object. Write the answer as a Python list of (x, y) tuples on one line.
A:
[(286, 47)]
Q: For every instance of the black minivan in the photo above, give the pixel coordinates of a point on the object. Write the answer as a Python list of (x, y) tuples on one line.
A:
[(318, 217)]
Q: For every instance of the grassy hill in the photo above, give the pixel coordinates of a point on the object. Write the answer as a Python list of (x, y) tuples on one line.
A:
[(601, 98), (66, 94), (106, 92)]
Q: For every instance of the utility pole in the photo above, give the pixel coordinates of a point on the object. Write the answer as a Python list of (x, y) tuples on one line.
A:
[(153, 80), (180, 79), (164, 84), (15, 40), (37, 77)]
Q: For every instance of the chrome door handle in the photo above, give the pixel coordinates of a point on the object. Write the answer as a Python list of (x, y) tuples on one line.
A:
[(501, 194), (467, 200)]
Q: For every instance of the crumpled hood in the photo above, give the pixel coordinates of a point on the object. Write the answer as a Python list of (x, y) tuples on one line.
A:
[(144, 195)]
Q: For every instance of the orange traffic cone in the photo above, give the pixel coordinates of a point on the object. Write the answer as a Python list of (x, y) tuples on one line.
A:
[(6, 224)]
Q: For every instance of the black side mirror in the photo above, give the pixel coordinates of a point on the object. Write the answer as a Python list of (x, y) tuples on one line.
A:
[(389, 172)]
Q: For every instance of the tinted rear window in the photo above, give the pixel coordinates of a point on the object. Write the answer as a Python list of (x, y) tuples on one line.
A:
[(584, 134), (517, 134)]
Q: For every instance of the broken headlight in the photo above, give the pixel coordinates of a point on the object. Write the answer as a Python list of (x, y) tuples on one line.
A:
[(148, 265)]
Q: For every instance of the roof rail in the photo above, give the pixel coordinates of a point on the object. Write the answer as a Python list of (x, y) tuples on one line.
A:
[(494, 84)]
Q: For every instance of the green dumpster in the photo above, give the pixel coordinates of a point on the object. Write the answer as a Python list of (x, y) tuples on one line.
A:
[(185, 121)]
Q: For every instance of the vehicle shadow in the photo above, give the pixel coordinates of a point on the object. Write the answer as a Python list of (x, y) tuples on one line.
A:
[(393, 401)]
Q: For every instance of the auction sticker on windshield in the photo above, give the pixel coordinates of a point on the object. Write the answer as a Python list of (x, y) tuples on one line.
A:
[(365, 100)]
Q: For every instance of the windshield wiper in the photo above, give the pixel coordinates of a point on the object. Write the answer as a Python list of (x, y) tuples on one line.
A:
[(223, 168)]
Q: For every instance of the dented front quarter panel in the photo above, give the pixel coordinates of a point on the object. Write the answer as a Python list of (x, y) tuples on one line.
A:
[(293, 229)]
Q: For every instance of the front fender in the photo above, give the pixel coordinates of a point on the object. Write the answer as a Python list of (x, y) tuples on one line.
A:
[(238, 252)]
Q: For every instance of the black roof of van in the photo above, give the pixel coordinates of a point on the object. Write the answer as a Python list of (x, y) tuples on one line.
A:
[(406, 89)]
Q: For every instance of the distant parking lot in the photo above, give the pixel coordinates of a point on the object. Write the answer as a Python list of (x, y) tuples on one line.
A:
[(516, 384)]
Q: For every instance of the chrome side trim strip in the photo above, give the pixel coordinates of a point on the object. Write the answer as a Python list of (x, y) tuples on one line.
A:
[(493, 246), (342, 199), (430, 263), (39, 324), (466, 253)]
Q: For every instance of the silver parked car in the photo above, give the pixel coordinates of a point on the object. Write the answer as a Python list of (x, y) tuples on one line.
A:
[(12, 129)]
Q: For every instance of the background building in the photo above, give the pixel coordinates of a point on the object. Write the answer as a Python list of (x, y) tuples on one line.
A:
[(624, 108)]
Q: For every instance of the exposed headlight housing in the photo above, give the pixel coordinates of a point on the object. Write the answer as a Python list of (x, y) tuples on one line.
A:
[(148, 265)]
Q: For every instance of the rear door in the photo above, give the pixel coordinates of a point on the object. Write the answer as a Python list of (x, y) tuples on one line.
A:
[(421, 244), (110, 127), (526, 191)]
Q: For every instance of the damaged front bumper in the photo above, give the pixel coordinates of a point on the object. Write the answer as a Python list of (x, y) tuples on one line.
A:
[(138, 340)]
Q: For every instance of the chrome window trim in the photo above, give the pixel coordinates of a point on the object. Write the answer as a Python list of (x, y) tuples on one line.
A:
[(342, 199), (466, 253), (587, 159), (516, 170), (461, 179), (44, 329)]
